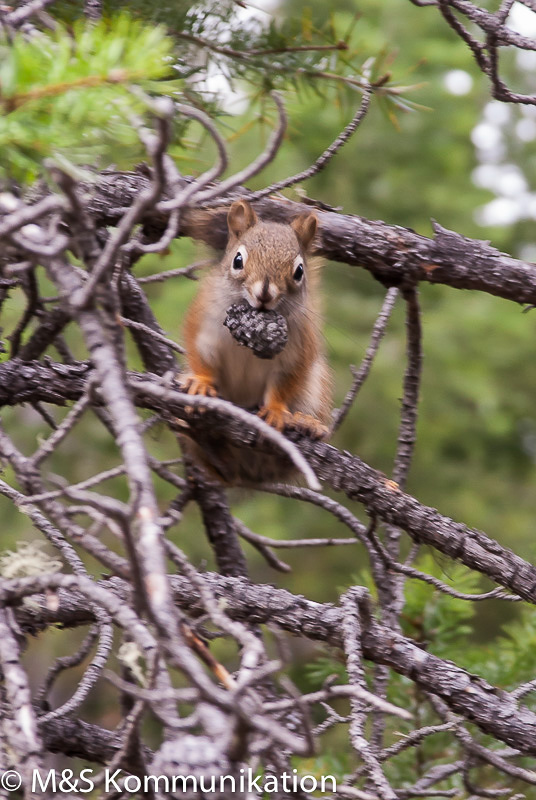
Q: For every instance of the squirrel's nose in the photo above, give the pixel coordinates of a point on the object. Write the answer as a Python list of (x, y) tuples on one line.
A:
[(264, 292), (265, 296)]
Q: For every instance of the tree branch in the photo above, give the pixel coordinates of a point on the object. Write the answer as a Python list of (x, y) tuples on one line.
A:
[(494, 711), (394, 255), (340, 470)]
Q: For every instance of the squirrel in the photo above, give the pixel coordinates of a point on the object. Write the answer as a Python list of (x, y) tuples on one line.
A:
[(266, 264)]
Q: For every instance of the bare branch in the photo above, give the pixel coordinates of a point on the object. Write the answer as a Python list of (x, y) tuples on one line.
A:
[(256, 166), (24, 739), (326, 156), (394, 255), (91, 675), (187, 272), (493, 710), (496, 33), (144, 201), (23, 12), (342, 471), (352, 603), (361, 374), (130, 323)]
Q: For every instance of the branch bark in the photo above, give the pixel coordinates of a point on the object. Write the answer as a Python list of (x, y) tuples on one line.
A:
[(393, 254), (342, 471), (494, 711)]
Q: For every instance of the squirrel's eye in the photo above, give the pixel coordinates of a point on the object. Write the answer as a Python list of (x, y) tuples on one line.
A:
[(298, 273), (238, 261)]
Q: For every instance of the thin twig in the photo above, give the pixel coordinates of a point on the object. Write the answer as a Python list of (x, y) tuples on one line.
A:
[(411, 572), (240, 414), (206, 44), (187, 272), (256, 166), (144, 200), (63, 429), (193, 190), (327, 155), (21, 14), (90, 677), (362, 373), (352, 603), (130, 323)]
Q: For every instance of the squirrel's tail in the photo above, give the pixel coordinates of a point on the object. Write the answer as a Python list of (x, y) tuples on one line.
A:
[(237, 466)]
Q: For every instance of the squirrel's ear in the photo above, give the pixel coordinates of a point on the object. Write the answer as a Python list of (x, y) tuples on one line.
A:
[(240, 217), (305, 227)]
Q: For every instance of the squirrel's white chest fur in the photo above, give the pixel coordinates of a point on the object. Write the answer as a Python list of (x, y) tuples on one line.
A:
[(241, 376)]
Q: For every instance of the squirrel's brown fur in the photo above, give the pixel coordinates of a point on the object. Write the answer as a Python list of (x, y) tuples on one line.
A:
[(266, 264)]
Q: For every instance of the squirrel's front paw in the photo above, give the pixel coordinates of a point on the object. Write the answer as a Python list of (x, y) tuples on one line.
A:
[(309, 425), (197, 384), (275, 416)]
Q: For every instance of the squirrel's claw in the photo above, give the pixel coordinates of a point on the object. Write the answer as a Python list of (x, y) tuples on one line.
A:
[(275, 416), (279, 417), (309, 425), (197, 384)]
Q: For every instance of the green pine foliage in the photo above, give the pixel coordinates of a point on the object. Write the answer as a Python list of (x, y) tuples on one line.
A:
[(69, 93), (73, 93)]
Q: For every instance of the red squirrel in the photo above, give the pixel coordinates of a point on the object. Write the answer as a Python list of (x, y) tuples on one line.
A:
[(266, 264)]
